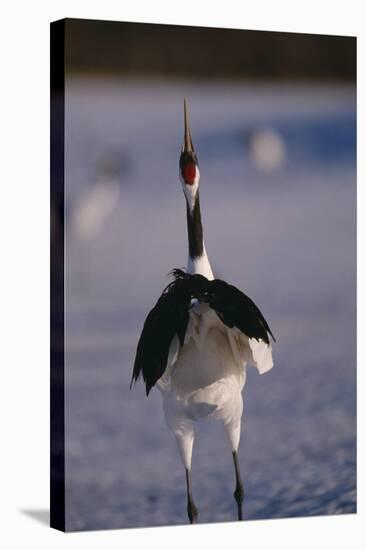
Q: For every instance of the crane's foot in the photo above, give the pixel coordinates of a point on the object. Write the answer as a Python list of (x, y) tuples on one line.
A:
[(191, 508), (239, 497), (192, 511), (239, 490)]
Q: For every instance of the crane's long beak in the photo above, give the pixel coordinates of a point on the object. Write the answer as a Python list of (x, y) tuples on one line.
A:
[(187, 145)]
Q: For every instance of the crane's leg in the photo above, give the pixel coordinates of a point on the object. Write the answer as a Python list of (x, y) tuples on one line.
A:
[(233, 433), (184, 434), (191, 507), (239, 489)]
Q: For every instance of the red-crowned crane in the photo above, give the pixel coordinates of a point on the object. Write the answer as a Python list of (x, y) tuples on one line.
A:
[(198, 339)]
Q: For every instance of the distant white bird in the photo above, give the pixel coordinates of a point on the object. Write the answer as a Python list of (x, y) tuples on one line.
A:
[(267, 149), (198, 339)]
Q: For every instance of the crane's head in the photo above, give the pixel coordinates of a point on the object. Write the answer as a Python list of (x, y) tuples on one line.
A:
[(188, 164)]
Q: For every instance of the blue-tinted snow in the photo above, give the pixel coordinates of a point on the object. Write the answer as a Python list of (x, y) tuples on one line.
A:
[(286, 238)]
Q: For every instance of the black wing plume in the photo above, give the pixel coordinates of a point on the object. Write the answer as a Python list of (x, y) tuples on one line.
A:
[(170, 315), (236, 309)]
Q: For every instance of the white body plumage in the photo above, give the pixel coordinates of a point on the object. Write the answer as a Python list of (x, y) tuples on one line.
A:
[(205, 377)]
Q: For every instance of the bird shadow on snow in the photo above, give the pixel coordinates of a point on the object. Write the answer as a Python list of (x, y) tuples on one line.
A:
[(40, 515)]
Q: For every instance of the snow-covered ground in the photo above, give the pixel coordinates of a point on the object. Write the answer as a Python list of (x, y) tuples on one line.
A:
[(283, 231)]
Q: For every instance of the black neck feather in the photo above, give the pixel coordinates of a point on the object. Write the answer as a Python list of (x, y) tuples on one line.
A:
[(195, 235)]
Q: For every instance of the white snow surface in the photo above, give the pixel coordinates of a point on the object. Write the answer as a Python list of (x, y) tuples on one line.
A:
[(286, 238)]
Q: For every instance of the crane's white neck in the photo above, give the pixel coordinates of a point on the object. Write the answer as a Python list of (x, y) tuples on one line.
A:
[(198, 262), (200, 265)]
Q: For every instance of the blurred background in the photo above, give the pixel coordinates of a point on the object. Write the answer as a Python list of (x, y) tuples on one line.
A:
[(273, 120)]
